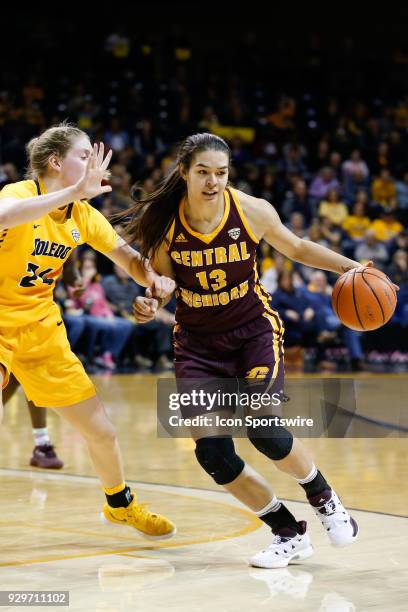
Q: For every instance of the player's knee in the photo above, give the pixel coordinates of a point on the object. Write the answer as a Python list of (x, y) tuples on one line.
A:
[(273, 441), (109, 433), (103, 433), (218, 458)]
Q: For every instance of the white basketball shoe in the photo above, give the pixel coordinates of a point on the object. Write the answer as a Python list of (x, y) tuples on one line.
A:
[(340, 527), (287, 546)]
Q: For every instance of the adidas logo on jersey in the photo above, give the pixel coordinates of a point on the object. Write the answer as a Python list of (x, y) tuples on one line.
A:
[(234, 233), (75, 234), (181, 238)]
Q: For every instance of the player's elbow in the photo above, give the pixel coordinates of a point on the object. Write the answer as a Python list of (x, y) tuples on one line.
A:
[(294, 248), (6, 214)]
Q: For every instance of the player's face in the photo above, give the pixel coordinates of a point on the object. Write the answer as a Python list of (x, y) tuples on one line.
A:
[(74, 163), (207, 176)]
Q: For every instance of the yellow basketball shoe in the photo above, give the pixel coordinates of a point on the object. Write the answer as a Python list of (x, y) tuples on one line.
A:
[(149, 525)]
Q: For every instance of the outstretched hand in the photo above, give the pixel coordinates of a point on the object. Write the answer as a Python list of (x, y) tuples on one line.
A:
[(90, 184)]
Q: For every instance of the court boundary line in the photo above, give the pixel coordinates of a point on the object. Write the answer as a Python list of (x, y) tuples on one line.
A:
[(55, 475), (254, 524)]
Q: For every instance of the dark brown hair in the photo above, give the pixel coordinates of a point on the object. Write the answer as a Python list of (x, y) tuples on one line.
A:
[(151, 217)]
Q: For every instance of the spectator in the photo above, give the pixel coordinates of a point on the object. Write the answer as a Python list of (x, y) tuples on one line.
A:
[(292, 162), (356, 224), (335, 163), (298, 201), (146, 141), (333, 209), (355, 183), (320, 158), (402, 192), (270, 278), (121, 291), (387, 227), (328, 327), (381, 159), (323, 183), (297, 224), (398, 269), (116, 137), (355, 165), (294, 309), (267, 188), (372, 250), (384, 191), (333, 234), (101, 324)]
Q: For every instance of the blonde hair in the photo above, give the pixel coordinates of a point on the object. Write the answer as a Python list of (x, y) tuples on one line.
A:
[(54, 141)]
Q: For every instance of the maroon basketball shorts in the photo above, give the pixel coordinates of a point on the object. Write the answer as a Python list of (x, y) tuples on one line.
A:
[(248, 358)]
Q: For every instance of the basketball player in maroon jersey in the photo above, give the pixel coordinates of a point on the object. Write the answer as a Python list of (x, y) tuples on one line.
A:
[(204, 234)]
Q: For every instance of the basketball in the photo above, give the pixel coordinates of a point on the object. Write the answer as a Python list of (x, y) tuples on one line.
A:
[(364, 299)]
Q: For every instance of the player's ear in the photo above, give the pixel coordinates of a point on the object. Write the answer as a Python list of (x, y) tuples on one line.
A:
[(55, 163), (183, 172)]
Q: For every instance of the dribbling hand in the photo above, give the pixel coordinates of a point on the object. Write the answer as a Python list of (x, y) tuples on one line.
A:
[(90, 184), (369, 264)]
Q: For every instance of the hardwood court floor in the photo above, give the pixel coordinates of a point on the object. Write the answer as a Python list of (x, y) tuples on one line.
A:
[(50, 536)]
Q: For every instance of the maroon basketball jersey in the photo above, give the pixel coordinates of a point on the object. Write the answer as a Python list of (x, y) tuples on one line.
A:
[(217, 283)]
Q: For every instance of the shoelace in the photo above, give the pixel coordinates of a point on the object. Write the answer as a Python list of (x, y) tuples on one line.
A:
[(142, 510), (330, 507), (46, 448), (328, 510), (278, 540)]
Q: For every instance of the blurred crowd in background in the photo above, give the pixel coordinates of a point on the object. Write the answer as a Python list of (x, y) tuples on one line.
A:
[(334, 165)]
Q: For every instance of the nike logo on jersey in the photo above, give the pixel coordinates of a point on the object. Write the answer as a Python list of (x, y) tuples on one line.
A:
[(60, 323), (181, 238), (35, 226), (50, 249)]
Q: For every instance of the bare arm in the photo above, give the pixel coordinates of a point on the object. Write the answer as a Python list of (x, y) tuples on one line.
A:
[(15, 211), (141, 270), (266, 224), (145, 308), (131, 261)]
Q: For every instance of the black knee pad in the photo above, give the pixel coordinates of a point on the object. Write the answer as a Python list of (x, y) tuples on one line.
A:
[(273, 441), (218, 458)]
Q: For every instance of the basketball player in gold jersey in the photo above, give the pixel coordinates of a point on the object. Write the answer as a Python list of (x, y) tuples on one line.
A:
[(204, 234), (42, 220), (44, 454)]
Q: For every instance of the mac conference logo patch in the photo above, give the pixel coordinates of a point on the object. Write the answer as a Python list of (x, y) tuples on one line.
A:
[(75, 234), (234, 233)]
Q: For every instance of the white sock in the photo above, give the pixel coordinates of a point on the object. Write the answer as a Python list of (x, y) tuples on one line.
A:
[(40, 436), (309, 477), (272, 506)]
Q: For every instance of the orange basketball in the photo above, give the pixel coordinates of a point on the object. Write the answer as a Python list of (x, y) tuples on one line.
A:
[(364, 299)]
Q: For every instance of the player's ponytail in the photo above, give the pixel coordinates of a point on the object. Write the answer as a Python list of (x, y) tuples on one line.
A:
[(151, 217)]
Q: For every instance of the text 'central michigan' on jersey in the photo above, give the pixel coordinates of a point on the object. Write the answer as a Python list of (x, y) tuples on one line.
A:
[(217, 283), (32, 254)]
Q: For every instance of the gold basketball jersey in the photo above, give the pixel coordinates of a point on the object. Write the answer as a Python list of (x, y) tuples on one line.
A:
[(32, 254)]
